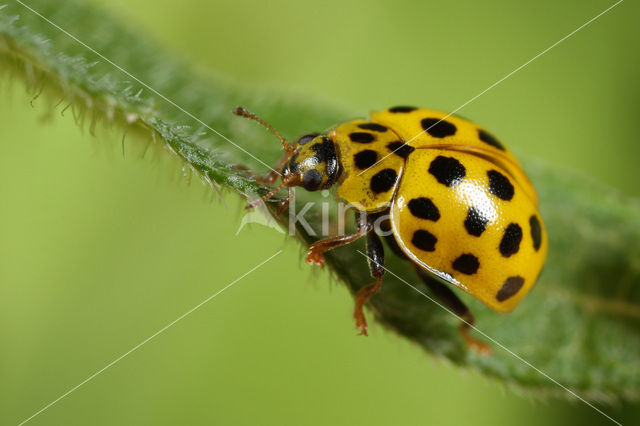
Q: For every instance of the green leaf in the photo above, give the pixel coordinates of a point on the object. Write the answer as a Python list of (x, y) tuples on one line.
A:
[(579, 325)]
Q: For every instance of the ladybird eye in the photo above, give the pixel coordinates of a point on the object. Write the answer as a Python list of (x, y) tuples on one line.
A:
[(307, 138), (311, 180), (292, 165)]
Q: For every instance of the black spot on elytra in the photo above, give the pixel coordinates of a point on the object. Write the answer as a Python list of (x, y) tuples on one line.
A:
[(467, 264), (476, 222), (401, 149), (488, 138), (500, 185), (510, 287), (438, 128), (424, 240), (383, 180), (424, 208), (447, 170), (536, 231), (365, 159), (303, 140), (510, 243), (373, 126), (361, 137), (402, 109), (311, 180)]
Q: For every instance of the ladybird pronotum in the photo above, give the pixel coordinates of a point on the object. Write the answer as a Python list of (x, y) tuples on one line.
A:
[(459, 205)]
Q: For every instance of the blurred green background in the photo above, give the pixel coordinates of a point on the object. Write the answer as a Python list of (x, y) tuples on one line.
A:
[(98, 252)]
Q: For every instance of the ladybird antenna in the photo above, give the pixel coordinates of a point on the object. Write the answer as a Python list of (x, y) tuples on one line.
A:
[(268, 195), (248, 114)]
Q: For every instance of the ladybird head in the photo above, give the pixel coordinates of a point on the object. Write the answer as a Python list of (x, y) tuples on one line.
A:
[(313, 163)]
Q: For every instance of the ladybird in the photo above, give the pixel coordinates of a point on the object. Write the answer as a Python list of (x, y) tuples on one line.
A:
[(453, 199)]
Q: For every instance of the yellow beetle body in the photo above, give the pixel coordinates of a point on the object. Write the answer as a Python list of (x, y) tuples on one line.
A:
[(461, 206), (456, 202)]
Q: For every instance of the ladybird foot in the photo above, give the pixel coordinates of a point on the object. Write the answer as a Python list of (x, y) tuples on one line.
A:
[(267, 180), (251, 206), (361, 298), (473, 344), (282, 206), (315, 258), (480, 348), (361, 324)]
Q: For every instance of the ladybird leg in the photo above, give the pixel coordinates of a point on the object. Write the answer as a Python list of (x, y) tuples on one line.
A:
[(375, 257), (282, 206), (314, 255), (473, 343), (268, 195), (271, 177), (449, 298)]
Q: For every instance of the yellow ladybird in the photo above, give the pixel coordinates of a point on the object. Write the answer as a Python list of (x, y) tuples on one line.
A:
[(455, 201)]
